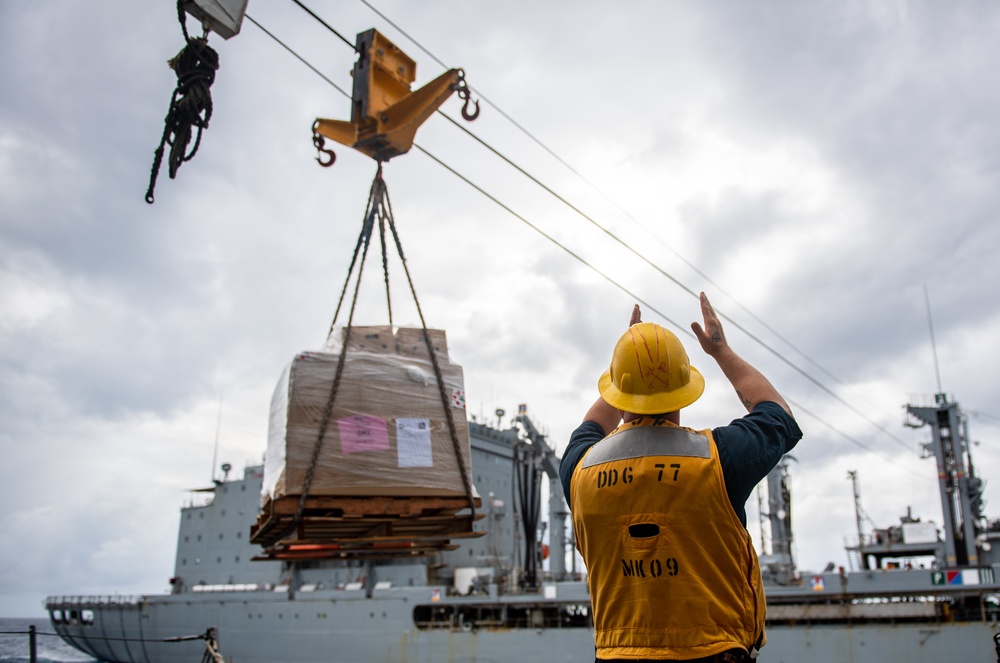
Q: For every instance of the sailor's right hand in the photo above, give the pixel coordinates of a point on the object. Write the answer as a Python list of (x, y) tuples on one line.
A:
[(712, 339)]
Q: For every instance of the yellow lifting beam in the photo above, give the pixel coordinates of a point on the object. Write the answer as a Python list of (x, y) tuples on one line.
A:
[(385, 113)]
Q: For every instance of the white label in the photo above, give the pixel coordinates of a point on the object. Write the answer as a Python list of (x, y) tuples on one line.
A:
[(413, 441)]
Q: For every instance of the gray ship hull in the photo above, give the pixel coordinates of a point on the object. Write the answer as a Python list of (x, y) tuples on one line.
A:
[(260, 627)]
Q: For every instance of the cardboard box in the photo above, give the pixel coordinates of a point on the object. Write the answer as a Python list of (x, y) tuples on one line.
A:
[(387, 433)]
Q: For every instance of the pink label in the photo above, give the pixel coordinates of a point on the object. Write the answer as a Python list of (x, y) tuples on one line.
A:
[(362, 433)]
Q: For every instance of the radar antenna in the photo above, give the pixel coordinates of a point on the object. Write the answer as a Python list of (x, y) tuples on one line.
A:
[(930, 326)]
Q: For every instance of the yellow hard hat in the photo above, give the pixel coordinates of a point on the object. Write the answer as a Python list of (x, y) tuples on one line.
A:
[(650, 373)]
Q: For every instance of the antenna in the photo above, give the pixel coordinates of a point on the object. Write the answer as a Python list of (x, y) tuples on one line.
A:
[(859, 513), (215, 453), (930, 326), (762, 517)]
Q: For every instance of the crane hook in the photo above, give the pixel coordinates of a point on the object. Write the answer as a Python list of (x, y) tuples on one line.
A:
[(319, 143), (465, 110), (462, 88)]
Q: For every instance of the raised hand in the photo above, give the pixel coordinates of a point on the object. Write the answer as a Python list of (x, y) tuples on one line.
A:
[(712, 339)]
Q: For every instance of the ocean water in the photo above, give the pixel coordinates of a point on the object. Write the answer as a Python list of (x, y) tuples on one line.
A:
[(50, 648)]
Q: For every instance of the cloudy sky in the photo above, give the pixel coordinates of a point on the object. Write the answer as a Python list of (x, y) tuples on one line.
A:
[(812, 166)]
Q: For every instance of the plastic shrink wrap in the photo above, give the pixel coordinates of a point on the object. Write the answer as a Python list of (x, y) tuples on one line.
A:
[(387, 433)]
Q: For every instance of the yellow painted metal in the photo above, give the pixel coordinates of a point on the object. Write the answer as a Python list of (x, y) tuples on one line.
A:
[(342, 131), (384, 73), (385, 113)]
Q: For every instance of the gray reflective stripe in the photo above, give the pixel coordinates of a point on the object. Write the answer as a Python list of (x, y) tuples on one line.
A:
[(648, 441)]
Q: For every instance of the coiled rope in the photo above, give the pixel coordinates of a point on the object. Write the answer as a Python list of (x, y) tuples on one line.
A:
[(190, 105)]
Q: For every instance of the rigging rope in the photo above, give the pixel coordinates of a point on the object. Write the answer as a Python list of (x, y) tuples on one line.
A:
[(327, 25), (596, 188), (211, 654), (628, 247), (190, 105)]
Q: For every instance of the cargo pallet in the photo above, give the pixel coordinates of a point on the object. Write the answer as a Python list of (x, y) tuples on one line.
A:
[(351, 527)]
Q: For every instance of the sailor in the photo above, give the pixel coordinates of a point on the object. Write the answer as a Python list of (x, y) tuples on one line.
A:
[(659, 509)]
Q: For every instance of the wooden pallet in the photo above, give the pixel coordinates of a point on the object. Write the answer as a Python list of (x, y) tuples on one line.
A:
[(362, 526), (305, 551)]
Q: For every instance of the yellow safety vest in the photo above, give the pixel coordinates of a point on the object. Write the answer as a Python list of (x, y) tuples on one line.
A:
[(673, 573)]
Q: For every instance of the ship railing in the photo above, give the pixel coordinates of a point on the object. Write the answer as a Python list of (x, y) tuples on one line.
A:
[(234, 587), (55, 602)]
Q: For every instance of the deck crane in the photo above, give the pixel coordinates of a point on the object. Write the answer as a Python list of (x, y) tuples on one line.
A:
[(539, 455)]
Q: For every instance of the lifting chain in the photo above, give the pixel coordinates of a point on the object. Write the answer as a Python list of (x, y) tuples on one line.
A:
[(379, 208), (190, 105)]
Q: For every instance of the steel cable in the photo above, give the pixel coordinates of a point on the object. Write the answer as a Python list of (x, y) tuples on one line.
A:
[(579, 258)]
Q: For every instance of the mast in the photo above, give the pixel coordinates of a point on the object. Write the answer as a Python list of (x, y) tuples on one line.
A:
[(780, 516), (858, 514), (762, 519), (215, 453), (958, 487), (777, 565), (960, 490)]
